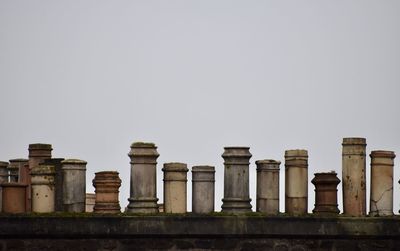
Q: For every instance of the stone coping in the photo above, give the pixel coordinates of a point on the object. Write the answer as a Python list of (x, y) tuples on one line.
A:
[(91, 225)]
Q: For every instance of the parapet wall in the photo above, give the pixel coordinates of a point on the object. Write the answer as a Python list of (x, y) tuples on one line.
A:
[(197, 232), (149, 226)]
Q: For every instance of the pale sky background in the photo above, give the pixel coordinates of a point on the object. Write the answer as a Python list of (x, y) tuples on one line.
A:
[(91, 77)]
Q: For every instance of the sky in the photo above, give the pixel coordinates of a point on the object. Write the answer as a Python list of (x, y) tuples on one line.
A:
[(91, 77)]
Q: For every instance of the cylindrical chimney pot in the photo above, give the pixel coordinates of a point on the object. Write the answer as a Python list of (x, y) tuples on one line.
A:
[(3, 178), (38, 153), (15, 166), (58, 181), (326, 193), (268, 186), (296, 182), (143, 186), (107, 185), (353, 176), (236, 180), (43, 192), (89, 202), (13, 198), (24, 174), (3, 172), (25, 179), (74, 185), (381, 199), (175, 192), (203, 186)]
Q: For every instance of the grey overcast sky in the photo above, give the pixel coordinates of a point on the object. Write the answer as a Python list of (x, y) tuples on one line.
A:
[(91, 77)]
